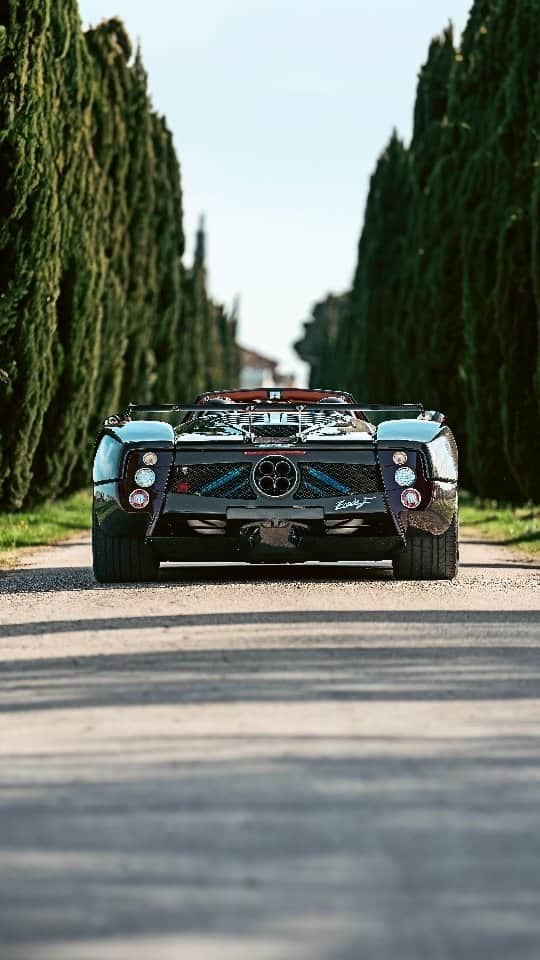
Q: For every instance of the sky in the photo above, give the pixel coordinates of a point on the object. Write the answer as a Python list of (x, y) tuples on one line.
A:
[(279, 110)]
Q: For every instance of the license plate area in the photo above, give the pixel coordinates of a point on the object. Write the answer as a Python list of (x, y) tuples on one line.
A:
[(276, 515)]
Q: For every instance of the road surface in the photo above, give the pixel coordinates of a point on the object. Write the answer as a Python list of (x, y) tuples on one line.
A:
[(312, 763)]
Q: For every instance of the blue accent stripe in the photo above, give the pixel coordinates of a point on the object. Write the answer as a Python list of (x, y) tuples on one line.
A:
[(221, 481), (236, 488), (313, 488), (328, 480)]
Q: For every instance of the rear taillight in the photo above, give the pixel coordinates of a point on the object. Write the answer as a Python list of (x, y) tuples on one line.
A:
[(139, 499), (411, 498)]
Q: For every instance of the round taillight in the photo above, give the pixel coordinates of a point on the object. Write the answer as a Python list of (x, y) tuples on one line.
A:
[(400, 458), (139, 499), (150, 459), (405, 477), (145, 477), (411, 498)]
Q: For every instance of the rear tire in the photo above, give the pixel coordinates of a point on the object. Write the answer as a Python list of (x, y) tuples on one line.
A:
[(121, 559), (427, 557)]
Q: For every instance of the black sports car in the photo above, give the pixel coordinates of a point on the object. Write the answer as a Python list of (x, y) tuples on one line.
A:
[(275, 476)]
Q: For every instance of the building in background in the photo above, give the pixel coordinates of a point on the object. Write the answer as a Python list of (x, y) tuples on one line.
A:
[(260, 371)]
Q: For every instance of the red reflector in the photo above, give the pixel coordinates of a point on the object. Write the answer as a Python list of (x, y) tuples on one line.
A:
[(182, 488), (411, 498), (139, 499)]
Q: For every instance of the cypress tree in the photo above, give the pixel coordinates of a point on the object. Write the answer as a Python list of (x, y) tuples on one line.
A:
[(110, 51), (96, 307), (195, 322), (30, 233), (446, 296), (230, 354), (141, 368), (516, 307), (78, 323), (168, 231), (372, 338), (497, 85), (318, 346), (429, 287)]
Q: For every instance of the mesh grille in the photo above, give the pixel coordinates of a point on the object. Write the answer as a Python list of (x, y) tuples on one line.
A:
[(319, 480), (227, 480), (332, 479), (274, 430)]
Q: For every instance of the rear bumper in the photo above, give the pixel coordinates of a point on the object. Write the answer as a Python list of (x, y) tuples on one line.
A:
[(357, 505), (241, 550), (288, 533), (272, 532)]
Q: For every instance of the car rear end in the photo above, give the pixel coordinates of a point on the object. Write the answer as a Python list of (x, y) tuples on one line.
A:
[(278, 482), (296, 504)]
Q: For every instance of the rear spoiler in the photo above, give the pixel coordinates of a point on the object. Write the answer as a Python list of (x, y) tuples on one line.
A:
[(133, 410), (415, 411), (274, 406)]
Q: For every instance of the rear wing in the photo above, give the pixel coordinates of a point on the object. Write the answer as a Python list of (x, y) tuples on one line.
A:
[(362, 410), (272, 406), (306, 417)]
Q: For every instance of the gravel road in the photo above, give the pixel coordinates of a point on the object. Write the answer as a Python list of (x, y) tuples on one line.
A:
[(282, 763)]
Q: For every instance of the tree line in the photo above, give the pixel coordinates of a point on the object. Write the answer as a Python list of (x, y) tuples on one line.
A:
[(445, 301), (97, 307)]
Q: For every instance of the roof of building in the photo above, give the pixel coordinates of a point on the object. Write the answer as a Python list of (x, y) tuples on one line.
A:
[(250, 358)]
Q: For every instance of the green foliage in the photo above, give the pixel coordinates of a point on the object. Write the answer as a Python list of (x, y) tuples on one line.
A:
[(96, 306), (368, 354), (445, 304), (318, 347)]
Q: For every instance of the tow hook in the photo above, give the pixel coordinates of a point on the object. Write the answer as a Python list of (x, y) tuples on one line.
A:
[(252, 534)]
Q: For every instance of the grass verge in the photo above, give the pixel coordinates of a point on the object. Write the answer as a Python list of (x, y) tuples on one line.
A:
[(45, 524), (517, 527)]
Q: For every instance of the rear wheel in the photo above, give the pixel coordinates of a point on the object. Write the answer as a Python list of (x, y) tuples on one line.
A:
[(427, 557), (121, 559)]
